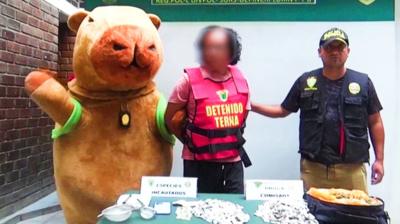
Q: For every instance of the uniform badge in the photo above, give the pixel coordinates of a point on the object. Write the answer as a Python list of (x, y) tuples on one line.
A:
[(367, 2), (223, 95), (311, 81), (354, 88)]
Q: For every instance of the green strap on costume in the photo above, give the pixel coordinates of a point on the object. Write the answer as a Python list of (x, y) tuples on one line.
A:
[(72, 121), (76, 115), (162, 128)]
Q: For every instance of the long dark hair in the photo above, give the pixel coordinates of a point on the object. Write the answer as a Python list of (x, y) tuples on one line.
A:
[(235, 46)]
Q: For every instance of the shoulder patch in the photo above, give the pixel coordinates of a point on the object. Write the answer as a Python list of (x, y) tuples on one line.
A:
[(311, 82)]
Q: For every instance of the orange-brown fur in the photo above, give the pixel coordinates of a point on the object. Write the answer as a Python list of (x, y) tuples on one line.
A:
[(99, 160)]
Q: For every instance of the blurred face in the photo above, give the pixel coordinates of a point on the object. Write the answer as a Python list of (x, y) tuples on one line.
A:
[(216, 51), (334, 54)]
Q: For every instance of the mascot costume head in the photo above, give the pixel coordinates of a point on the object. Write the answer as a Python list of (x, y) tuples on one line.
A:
[(109, 122)]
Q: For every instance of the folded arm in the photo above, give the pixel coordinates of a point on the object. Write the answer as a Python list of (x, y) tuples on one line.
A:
[(175, 118)]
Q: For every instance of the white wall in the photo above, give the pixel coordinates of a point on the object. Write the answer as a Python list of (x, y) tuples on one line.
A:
[(394, 165), (274, 55)]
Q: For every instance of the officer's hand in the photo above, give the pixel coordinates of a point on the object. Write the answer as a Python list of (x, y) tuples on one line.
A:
[(377, 172)]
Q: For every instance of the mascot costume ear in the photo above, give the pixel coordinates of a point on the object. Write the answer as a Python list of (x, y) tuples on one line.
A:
[(75, 20), (155, 20)]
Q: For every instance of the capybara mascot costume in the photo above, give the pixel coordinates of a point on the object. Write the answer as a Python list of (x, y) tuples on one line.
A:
[(109, 121)]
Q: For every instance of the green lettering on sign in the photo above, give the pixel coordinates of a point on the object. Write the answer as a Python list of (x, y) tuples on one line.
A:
[(231, 2), (260, 10)]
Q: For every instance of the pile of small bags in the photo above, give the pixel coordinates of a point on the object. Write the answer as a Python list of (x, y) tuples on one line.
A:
[(213, 211), (293, 212)]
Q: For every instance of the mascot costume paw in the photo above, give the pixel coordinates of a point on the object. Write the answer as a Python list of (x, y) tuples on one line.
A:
[(109, 123)]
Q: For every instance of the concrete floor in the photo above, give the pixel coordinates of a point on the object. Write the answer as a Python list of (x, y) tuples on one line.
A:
[(50, 200), (52, 218)]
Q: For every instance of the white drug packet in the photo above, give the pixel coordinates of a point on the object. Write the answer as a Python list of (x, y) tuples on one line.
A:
[(163, 208)]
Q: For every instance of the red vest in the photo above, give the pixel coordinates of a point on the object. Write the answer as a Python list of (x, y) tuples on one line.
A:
[(216, 129)]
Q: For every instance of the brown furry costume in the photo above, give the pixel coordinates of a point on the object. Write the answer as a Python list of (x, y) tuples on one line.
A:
[(117, 53)]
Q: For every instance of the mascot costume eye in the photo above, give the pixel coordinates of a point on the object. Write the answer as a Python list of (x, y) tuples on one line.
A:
[(110, 127)]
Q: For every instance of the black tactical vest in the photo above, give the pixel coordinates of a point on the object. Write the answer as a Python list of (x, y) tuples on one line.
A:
[(352, 109)]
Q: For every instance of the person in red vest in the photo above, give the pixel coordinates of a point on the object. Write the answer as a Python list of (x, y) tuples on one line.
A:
[(215, 98)]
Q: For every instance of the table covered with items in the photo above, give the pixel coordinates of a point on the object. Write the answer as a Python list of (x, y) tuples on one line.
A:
[(324, 206), (213, 208)]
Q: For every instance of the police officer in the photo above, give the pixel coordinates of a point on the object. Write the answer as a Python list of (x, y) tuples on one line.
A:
[(215, 99), (338, 106)]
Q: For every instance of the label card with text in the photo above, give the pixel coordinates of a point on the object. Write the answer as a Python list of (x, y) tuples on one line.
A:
[(274, 189), (180, 187)]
